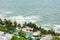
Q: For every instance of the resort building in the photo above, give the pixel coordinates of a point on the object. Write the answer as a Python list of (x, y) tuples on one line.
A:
[(47, 37), (27, 29), (17, 28), (5, 36), (37, 33), (30, 33)]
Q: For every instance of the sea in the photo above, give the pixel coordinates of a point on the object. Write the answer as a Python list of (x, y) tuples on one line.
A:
[(43, 13)]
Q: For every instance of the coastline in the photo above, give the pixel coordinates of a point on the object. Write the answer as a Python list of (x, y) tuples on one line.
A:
[(8, 26), (56, 28)]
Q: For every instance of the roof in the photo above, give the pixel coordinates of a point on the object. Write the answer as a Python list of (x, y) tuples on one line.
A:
[(5, 36), (47, 37), (28, 28), (36, 33)]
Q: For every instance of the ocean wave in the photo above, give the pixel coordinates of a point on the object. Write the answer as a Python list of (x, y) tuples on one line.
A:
[(56, 28), (3, 12), (24, 18), (38, 19)]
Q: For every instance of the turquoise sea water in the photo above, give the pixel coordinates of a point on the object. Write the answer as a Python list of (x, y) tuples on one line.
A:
[(41, 12)]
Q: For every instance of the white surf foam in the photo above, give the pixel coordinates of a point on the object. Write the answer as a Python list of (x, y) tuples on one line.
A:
[(21, 19), (4, 13), (47, 26), (57, 28)]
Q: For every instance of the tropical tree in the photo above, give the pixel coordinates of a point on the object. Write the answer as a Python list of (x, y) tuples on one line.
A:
[(43, 31), (15, 23), (32, 25), (19, 25), (51, 32), (25, 24), (30, 39), (15, 38), (5, 21), (22, 34), (0, 21)]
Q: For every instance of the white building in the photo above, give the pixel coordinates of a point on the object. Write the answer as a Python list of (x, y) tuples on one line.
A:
[(47, 37), (5, 36), (37, 33), (27, 29)]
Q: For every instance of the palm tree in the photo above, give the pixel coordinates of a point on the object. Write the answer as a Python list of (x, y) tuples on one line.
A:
[(15, 23), (0, 21), (22, 34), (19, 25)]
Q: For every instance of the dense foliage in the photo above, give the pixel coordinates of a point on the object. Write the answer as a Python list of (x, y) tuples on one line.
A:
[(22, 34), (21, 38), (15, 38)]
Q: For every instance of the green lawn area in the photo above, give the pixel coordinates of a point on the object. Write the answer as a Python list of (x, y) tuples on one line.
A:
[(21, 38), (56, 38)]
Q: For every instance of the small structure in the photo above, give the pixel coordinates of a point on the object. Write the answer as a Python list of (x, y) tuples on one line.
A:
[(36, 34), (5, 36), (27, 29), (47, 37), (17, 28)]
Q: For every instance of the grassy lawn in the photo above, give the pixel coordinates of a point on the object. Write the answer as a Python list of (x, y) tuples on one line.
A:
[(56, 38)]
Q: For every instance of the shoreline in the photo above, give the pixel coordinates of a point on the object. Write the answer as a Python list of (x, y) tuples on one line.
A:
[(44, 26)]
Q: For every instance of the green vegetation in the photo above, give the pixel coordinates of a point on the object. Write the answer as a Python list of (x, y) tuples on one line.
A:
[(21, 38), (56, 38), (22, 34), (32, 25), (35, 27), (4, 29), (15, 38), (12, 26), (7, 25)]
